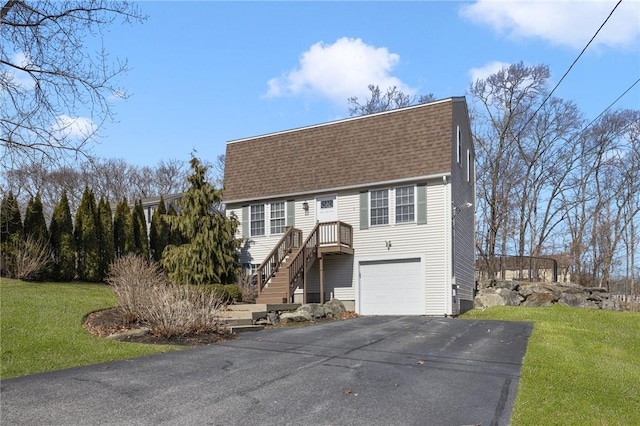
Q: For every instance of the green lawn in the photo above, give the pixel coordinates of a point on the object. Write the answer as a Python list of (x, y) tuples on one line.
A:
[(41, 328), (582, 366)]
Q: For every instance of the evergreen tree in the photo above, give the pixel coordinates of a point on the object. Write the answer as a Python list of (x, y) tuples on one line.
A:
[(122, 230), (159, 232), (86, 237), (175, 238), (211, 253), (35, 225), (140, 239), (106, 236), (10, 232), (62, 242), (10, 219), (36, 236)]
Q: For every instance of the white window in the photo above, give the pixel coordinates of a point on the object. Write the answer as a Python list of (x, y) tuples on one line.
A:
[(277, 218), (458, 147), (379, 207), (257, 220), (405, 204)]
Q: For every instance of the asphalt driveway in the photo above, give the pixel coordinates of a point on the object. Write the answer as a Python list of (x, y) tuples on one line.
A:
[(365, 371)]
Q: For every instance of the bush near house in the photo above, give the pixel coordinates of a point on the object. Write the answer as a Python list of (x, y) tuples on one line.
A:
[(167, 309)]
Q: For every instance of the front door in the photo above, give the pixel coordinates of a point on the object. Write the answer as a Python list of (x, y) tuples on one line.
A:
[(327, 209)]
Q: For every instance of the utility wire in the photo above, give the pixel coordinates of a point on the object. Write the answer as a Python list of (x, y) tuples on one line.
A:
[(610, 105), (567, 72)]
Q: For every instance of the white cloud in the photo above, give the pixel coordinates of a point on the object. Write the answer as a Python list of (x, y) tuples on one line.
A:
[(19, 77), (567, 22), (338, 71), (486, 70), (76, 128)]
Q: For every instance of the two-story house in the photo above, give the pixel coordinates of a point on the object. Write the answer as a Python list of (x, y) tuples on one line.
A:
[(377, 210)]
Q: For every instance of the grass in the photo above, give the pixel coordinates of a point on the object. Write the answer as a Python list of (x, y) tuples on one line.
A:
[(582, 366), (41, 328)]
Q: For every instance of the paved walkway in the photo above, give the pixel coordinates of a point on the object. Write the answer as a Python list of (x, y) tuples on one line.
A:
[(365, 371)]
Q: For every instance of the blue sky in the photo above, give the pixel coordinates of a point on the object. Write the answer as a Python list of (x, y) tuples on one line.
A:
[(204, 73)]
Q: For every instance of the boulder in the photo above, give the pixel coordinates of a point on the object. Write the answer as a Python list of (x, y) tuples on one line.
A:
[(611, 305), (488, 297), (299, 315), (540, 299), (334, 308), (508, 284), (315, 309), (577, 300)]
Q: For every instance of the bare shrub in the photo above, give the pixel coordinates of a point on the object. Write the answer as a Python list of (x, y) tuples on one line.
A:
[(248, 286), (169, 310), (32, 258)]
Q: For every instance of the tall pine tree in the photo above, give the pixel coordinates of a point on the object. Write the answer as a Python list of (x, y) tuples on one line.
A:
[(105, 238), (123, 230), (10, 233), (159, 232), (36, 236), (62, 242), (86, 237), (140, 239), (35, 225), (211, 252)]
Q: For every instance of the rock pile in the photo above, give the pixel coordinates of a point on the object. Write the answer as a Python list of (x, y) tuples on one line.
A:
[(515, 293), (307, 312)]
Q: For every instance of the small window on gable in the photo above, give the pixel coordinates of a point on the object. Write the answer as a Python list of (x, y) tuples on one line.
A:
[(257, 220), (277, 218), (468, 166), (379, 200), (405, 204), (458, 144)]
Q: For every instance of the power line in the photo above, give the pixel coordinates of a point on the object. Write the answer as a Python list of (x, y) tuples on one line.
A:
[(567, 72), (610, 105)]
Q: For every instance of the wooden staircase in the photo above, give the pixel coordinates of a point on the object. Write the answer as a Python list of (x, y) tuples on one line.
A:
[(288, 263)]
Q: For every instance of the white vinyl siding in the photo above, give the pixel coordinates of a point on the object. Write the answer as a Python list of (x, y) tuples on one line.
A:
[(408, 241)]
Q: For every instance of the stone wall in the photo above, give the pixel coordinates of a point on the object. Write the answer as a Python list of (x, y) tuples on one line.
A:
[(516, 293)]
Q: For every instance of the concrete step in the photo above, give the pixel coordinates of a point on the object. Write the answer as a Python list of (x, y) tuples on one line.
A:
[(235, 322), (244, 328), (252, 315)]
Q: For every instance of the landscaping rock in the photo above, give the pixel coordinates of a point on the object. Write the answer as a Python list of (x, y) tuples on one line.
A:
[(273, 318), (299, 315), (315, 309), (489, 297), (125, 335), (540, 299), (334, 308)]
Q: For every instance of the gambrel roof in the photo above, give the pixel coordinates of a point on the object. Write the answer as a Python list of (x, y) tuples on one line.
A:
[(395, 145)]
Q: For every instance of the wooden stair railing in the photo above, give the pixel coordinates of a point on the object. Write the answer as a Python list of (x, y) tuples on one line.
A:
[(330, 233), (291, 239)]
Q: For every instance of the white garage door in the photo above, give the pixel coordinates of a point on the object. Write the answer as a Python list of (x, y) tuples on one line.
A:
[(392, 287)]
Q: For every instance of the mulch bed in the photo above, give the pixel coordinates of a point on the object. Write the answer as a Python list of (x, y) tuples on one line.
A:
[(109, 321), (113, 320)]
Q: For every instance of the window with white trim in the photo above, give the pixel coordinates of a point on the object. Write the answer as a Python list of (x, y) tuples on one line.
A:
[(405, 204), (379, 203), (468, 166), (277, 218), (257, 220), (458, 147)]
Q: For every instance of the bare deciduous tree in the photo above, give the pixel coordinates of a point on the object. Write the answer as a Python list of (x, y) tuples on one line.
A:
[(56, 92), (391, 99)]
